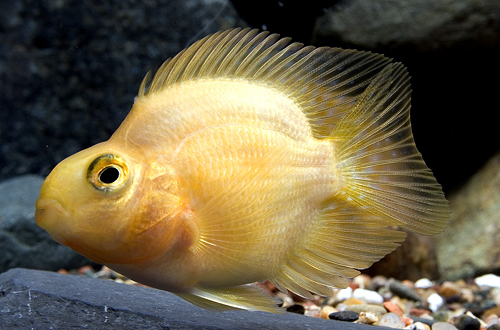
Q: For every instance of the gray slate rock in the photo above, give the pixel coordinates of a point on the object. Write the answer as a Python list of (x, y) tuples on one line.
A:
[(45, 300), (22, 242)]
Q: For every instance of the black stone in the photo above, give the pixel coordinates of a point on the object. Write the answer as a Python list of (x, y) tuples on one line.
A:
[(465, 322), (32, 299), (403, 291), (297, 309), (424, 320), (346, 316)]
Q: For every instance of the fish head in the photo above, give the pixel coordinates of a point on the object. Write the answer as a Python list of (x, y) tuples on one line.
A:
[(103, 203)]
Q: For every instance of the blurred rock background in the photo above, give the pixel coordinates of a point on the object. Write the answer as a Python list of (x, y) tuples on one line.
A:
[(69, 71)]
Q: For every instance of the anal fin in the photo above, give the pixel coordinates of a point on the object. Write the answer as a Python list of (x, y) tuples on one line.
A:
[(249, 297)]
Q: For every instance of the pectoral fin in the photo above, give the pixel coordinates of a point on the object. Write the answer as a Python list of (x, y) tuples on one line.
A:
[(249, 297)]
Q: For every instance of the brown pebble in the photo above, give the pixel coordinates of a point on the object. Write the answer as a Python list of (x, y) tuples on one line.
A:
[(418, 312), (63, 271), (493, 310), (449, 289)]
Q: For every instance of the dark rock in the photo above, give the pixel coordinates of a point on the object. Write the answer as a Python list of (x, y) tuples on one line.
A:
[(494, 327), (297, 309), (403, 291), (465, 322), (70, 69), (424, 320), (346, 316), (43, 300), (22, 242)]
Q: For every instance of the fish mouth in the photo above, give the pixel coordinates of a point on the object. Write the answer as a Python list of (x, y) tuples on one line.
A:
[(47, 208)]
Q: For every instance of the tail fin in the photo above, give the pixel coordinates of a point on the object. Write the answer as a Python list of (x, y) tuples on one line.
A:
[(383, 171)]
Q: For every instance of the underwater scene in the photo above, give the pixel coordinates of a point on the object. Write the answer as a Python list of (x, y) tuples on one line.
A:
[(262, 160)]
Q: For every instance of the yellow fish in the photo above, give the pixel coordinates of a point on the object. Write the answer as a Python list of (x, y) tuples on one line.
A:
[(246, 158)]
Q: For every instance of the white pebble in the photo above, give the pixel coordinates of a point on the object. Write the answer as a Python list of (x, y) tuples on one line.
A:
[(488, 280), (416, 326), (443, 326), (370, 297), (391, 320), (344, 294), (423, 283), (435, 301)]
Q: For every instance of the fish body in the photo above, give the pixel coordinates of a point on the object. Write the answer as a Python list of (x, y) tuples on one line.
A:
[(250, 158)]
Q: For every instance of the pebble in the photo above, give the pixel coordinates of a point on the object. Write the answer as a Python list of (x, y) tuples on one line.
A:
[(367, 318), (424, 283), (326, 311), (443, 326), (435, 301), (490, 311), (403, 291), (344, 294), (466, 322), (297, 308), (353, 301), (429, 321), (494, 327), (490, 280), (449, 289), (376, 309), (418, 326), (346, 316), (391, 320), (370, 297), (491, 320)]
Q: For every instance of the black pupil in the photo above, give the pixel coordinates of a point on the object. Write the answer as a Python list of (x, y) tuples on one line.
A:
[(109, 175)]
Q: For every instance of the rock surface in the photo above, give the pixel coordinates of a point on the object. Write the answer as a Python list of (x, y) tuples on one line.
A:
[(22, 242), (45, 300), (471, 243), (70, 69)]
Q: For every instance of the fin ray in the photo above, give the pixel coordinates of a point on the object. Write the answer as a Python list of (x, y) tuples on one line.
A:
[(342, 239), (379, 162), (249, 297), (325, 82)]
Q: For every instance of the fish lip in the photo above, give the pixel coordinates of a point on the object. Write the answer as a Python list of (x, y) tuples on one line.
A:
[(46, 205)]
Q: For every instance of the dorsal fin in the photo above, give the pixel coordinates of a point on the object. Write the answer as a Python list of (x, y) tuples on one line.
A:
[(324, 82)]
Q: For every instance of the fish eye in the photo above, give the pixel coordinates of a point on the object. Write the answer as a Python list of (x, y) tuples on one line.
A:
[(108, 173)]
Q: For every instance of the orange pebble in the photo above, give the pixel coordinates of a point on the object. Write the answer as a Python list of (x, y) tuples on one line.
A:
[(354, 286), (63, 271), (393, 308)]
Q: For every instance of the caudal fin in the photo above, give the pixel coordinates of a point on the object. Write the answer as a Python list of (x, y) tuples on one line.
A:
[(383, 171)]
